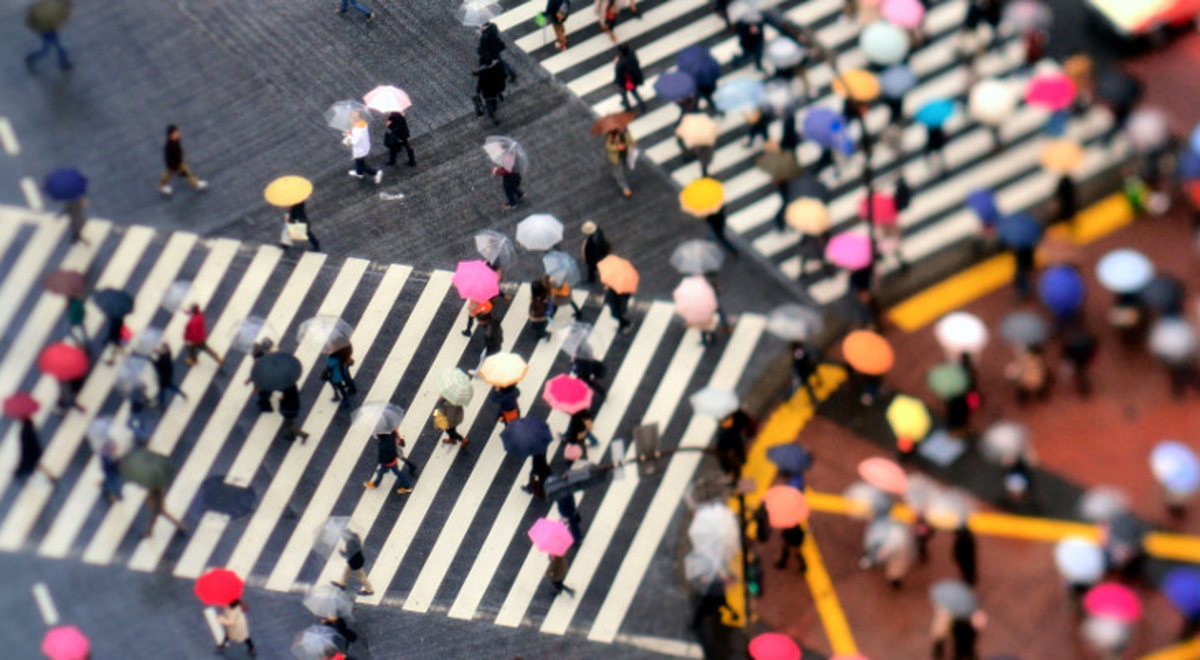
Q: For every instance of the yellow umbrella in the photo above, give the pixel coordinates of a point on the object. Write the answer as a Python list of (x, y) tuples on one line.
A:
[(858, 84), (702, 197), (808, 215), (503, 369), (697, 130), (908, 418), (1062, 156), (618, 274), (288, 191)]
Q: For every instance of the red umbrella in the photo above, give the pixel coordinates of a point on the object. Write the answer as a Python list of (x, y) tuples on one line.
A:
[(64, 361), (568, 394), (20, 406), (220, 586)]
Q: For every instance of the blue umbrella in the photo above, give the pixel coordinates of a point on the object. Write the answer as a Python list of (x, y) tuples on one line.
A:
[(1181, 586), (823, 125), (740, 93), (697, 62), (1176, 467), (897, 80), (790, 458), (527, 436), (983, 203), (1061, 289), (1019, 231), (935, 113), (1195, 141), (65, 185), (1188, 166), (675, 85)]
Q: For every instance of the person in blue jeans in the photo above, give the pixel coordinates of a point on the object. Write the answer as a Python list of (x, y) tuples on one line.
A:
[(362, 9), (45, 17), (391, 459)]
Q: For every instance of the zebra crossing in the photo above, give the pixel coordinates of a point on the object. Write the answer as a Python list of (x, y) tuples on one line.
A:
[(456, 545), (936, 219)]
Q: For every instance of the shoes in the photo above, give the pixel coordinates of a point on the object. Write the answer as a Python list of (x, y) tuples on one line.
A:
[(369, 485), (166, 190), (412, 163), (201, 185), (627, 192), (465, 441), (189, 361), (378, 176), (339, 11), (448, 440), (363, 591), (355, 174), (403, 491), (339, 585), (371, 19)]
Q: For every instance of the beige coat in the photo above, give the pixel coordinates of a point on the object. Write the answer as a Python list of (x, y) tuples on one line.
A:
[(233, 619), (616, 145)]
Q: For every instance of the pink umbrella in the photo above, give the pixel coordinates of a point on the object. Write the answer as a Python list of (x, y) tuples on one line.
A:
[(1052, 91), (774, 646), (884, 474), (568, 394), (695, 300), (475, 280), (849, 250), (551, 536), (786, 506), (884, 208), (66, 643), (904, 13), (1113, 600)]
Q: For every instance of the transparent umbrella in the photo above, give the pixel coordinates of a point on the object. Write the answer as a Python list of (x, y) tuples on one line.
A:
[(146, 341), (870, 500), (250, 331), (783, 52), (507, 153), (701, 568), (794, 322), (561, 267), (317, 643), (473, 13), (574, 336), (330, 534), (1005, 441), (1103, 503), (327, 601), (134, 373), (714, 531), (343, 114), (494, 247), (331, 332), (697, 256), (381, 416), (175, 295)]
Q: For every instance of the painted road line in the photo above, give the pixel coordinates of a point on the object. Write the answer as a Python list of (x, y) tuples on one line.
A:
[(204, 539), (33, 196), (274, 501), (25, 274), (953, 292), (601, 528), (673, 647), (45, 604), (262, 435), (214, 626), (506, 521), (600, 44), (1101, 219), (624, 384), (8, 234), (829, 607), (223, 418), (1174, 547), (672, 485), (433, 473), (107, 538), (8, 137)]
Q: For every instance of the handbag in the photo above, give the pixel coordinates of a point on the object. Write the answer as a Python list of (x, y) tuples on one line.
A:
[(440, 421), (297, 231), (631, 156)]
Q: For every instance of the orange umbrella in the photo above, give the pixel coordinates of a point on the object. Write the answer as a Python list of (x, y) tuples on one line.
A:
[(858, 84), (808, 215), (618, 274), (786, 507), (884, 474), (1062, 156), (616, 121), (868, 352)]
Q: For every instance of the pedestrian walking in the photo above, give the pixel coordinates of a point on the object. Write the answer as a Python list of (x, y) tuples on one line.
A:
[(337, 372), (810, 247), (618, 306), (957, 635), (507, 399), (489, 88), (556, 573), (701, 152), (359, 7), (296, 228), (935, 141), (176, 165), (1079, 349), (1066, 198), (140, 421), (510, 183), (560, 295), (716, 231), (621, 150), (156, 505), (493, 338), (539, 302), (965, 556), (751, 40), (556, 12), (110, 468), (76, 219), (114, 338), (568, 512), (164, 373), (31, 453), (590, 370), (721, 8), (722, 317), (45, 17), (629, 76), (289, 409), (390, 447), (1029, 374), (396, 139), (358, 138), (195, 337), (233, 621), (68, 392), (477, 311), (758, 121), (76, 317), (490, 47), (793, 541), (984, 11), (735, 431), (539, 470), (593, 249), (352, 551), (608, 12), (579, 431), (805, 360), (446, 417)]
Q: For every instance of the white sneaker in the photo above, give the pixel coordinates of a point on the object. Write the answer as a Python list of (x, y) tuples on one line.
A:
[(355, 174), (201, 184), (378, 176), (166, 190)]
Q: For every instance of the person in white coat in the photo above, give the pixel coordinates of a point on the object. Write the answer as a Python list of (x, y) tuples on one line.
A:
[(359, 140), (237, 629)]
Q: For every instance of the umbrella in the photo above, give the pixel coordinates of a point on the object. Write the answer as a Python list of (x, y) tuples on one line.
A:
[(714, 402), (868, 353), (897, 80), (1050, 91), (317, 642), (113, 302), (287, 191), (1181, 586), (65, 185), (330, 534), (695, 300), (1062, 156), (1026, 15), (849, 250), (1113, 600), (1005, 441), (247, 333), (176, 293), (327, 601), (774, 646), (1172, 340), (20, 406), (618, 274), (807, 185), (1147, 129), (1118, 88), (744, 11), (873, 501), (1079, 560), (526, 437), (612, 122), (540, 231), (381, 416), (104, 437), (506, 152), (1163, 294), (887, 538), (474, 13), (1024, 329), (739, 93), (795, 322), (992, 101), (568, 394), (1019, 231), (949, 505), (715, 531), (1176, 467), (675, 85), (808, 215), (697, 256), (908, 417), (551, 537), (331, 332), (701, 568), (387, 99), (70, 283), (778, 96), (961, 332), (824, 126), (698, 63), (475, 280), (343, 115), (494, 247), (65, 642), (948, 380), (1124, 271), (454, 385), (132, 371), (955, 597), (218, 587), (983, 204), (786, 507), (860, 85), (884, 474), (63, 361), (561, 267), (934, 114), (697, 130), (275, 372), (904, 13), (784, 53), (575, 336), (882, 208), (883, 43), (1103, 503), (1061, 289), (147, 469), (790, 458), (1188, 166), (47, 16), (503, 369)]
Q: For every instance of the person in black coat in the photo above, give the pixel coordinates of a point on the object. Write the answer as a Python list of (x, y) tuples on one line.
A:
[(716, 229), (629, 76), (289, 408), (164, 371), (490, 47), (396, 138), (489, 89), (595, 247), (964, 553)]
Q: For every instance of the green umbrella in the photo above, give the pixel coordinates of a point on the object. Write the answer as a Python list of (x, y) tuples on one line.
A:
[(948, 380), (48, 15), (147, 469)]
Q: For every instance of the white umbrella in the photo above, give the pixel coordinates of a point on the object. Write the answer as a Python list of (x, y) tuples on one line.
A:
[(540, 231), (1105, 634), (317, 642), (387, 99), (695, 300), (328, 601), (697, 130), (104, 435), (1005, 441), (473, 13), (961, 332), (920, 492), (873, 501), (784, 53), (992, 101), (1079, 560), (794, 322), (1124, 271), (714, 531), (697, 256), (715, 403), (701, 568), (950, 506), (1102, 503), (380, 416), (1173, 340), (1175, 467), (1147, 129), (331, 332), (740, 11)]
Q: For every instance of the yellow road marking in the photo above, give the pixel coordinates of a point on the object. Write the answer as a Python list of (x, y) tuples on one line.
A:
[(1101, 219), (820, 585), (1189, 650)]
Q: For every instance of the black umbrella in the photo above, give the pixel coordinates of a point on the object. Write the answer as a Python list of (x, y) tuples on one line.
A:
[(275, 371), (1163, 294), (526, 437), (1118, 89), (113, 302), (807, 185)]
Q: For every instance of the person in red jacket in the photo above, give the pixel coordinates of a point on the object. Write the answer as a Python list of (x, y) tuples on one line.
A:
[(195, 337)]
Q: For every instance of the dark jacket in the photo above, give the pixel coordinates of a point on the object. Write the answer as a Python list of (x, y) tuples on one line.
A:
[(506, 397), (492, 80), (490, 44), (493, 337), (629, 69), (173, 154), (397, 129), (164, 367), (31, 449), (595, 247), (289, 403), (386, 444)]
